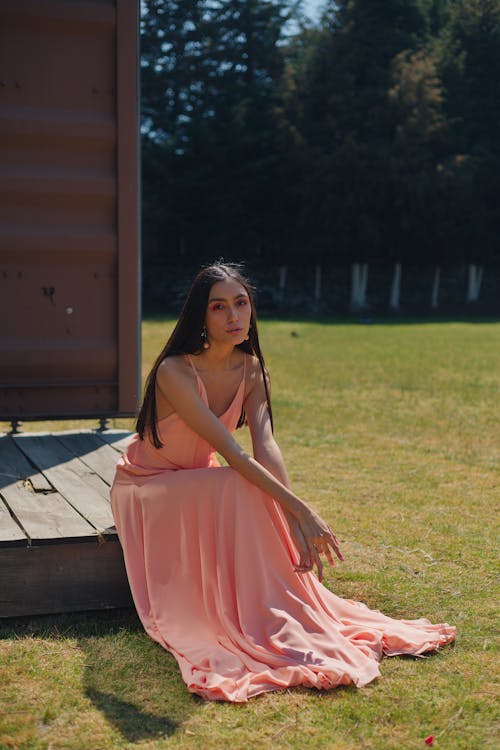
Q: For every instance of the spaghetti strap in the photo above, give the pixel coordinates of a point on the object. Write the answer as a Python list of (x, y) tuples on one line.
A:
[(244, 366), (190, 360)]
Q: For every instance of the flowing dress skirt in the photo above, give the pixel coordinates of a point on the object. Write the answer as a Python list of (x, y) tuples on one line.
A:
[(210, 564)]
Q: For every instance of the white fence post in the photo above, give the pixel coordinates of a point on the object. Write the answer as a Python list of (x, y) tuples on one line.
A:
[(359, 282), (474, 282), (395, 287)]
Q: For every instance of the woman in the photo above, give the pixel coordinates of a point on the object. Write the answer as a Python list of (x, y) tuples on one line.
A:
[(220, 559)]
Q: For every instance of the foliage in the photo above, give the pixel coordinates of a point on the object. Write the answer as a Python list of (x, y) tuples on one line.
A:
[(468, 58), (219, 150), (370, 136)]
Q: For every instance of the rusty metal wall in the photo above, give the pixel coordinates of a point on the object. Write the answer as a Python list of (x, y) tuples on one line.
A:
[(69, 280)]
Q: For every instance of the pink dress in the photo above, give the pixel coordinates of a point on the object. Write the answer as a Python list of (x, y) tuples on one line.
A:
[(211, 568)]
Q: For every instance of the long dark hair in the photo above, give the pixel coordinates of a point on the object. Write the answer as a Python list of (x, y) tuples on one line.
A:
[(186, 338)]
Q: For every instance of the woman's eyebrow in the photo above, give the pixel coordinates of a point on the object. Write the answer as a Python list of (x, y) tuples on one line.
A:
[(225, 299)]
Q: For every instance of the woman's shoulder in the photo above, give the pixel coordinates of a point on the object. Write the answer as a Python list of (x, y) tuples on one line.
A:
[(174, 376), (174, 366), (254, 370), (252, 364)]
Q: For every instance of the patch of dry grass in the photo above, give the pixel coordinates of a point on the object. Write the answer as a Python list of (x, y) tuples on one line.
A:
[(392, 432)]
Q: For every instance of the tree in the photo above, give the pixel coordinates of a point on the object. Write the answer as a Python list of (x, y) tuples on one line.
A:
[(420, 145), (348, 123), (214, 76), (469, 50)]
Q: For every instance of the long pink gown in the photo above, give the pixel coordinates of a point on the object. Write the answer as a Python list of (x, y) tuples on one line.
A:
[(211, 568)]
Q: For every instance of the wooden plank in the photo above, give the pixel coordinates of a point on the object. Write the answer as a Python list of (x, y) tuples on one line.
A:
[(14, 466), (62, 578), (46, 517), (117, 439), (81, 487), (10, 532), (89, 448)]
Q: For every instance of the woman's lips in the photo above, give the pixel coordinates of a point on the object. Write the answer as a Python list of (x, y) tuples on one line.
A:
[(234, 330)]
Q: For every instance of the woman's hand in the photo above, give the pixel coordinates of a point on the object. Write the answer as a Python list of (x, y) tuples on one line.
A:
[(312, 537)]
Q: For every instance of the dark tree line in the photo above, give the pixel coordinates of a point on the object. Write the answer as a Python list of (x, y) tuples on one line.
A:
[(373, 135)]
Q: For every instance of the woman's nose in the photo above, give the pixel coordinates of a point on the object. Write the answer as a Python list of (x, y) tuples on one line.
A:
[(233, 313)]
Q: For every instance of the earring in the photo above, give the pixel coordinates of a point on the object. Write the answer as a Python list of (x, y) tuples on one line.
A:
[(204, 338)]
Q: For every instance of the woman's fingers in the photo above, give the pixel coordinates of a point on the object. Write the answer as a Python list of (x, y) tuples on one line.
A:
[(305, 560), (305, 564), (334, 544), (328, 554), (317, 559), (312, 539), (320, 545)]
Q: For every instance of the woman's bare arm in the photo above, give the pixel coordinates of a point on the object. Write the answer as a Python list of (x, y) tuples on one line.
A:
[(267, 452), (178, 388)]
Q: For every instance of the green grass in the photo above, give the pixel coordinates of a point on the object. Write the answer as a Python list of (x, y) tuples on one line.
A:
[(392, 433)]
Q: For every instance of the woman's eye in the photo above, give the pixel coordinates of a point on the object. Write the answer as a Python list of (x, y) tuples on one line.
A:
[(242, 302), (218, 306)]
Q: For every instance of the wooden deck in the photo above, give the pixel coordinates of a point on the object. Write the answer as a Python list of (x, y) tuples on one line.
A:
[(59, 550)]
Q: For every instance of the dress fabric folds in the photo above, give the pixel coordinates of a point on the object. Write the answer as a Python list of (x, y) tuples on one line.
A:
[(211, 568)]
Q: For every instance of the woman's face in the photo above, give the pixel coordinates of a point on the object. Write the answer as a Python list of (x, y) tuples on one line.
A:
[(227, 319)]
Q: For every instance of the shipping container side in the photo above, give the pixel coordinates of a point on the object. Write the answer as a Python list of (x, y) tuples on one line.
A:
[(69, 249)]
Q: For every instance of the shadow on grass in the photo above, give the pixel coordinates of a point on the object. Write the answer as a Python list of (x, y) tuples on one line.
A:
[(71, 625), (133, 722), (133, 682)]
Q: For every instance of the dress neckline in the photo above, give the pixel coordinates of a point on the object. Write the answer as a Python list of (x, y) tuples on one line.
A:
[(199, 379)]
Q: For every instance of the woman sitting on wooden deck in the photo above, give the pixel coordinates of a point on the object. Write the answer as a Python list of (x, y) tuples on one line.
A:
[(220, 559)]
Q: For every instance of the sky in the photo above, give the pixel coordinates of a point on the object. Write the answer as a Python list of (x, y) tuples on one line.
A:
[(312, 8)]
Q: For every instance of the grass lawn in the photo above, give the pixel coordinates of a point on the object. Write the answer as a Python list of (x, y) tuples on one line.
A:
[(392, 432)]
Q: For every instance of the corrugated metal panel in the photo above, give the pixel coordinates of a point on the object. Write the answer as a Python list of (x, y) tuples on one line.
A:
[(68, 208)]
